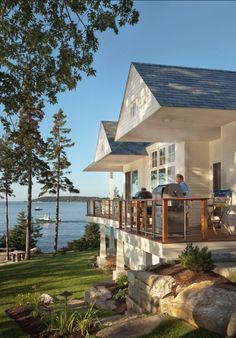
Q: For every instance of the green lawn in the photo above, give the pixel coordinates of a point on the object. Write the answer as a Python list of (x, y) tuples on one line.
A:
[(52, 275), (173, 328), (70, 272)]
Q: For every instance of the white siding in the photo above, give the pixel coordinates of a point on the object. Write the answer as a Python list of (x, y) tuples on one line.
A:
[(228, 149), (103, 147), (136, 91), (197, 176)]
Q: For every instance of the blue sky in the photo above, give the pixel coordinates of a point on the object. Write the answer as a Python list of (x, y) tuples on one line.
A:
[(184, 33)]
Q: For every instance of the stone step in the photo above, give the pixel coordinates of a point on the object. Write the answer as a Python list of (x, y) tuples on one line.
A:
[(132, 328)]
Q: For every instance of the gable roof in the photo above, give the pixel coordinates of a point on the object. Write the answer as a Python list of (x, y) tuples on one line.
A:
[(175, 86), (122, 148)]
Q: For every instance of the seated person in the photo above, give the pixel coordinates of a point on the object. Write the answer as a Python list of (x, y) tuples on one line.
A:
[(183, 185)]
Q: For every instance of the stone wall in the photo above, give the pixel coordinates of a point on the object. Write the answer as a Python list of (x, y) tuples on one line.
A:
[(205, 304)]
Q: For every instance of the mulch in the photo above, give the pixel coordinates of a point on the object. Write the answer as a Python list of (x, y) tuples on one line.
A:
[(33, 326), (185, 277)]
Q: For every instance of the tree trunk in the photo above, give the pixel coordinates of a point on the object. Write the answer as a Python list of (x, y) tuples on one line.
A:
[(29, 214), (57, 210), (7, 223)]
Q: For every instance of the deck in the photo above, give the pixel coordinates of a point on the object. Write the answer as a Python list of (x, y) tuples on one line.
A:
[(142, 218)]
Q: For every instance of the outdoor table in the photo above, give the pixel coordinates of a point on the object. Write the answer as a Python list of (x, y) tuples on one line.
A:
[(17, 255)]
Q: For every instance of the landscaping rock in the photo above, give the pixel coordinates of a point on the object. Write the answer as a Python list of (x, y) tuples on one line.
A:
[(35, 250), (231, 329), (131, 328), (204, 305), (146, 289), (101, 295), (47, 299)]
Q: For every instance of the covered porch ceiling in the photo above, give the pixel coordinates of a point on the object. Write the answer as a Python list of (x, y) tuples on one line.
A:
[(172, 124), (112, 163)]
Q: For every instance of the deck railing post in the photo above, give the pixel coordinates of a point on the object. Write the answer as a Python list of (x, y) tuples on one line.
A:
[(94, 207), (204, 225), (137, 217), (120, 214), (109, 209), (164, 220)]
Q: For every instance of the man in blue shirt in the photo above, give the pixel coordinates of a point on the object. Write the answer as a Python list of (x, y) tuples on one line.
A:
[(183, 185)]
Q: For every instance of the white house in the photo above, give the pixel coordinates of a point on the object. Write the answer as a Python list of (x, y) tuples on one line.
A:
[(172, 120)]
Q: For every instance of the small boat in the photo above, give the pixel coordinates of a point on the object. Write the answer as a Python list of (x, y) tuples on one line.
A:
[(46, 219), (38, 209)]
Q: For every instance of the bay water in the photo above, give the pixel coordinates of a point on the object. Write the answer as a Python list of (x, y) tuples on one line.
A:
[(73, 221)]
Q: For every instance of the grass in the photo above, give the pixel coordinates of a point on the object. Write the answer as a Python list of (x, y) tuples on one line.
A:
[(52, 275), (74, 273), (173, 328)]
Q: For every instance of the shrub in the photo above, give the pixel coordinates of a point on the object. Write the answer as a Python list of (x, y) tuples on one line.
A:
[(122, 281), (18, 233), (29, 298), (90, 239), (196, 259), (121, 294)]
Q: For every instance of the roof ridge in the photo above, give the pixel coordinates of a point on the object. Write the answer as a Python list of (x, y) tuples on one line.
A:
[(182, 67)]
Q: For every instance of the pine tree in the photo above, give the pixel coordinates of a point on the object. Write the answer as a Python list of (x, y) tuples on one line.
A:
[(18, 234), (8, 176), (56, 181), (30, 149)]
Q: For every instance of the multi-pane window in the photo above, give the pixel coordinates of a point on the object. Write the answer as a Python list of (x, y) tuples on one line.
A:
[(171, 174), (134, 182), (154, 179), (171, 153), (162, 176), (162, 156), (154, 159)]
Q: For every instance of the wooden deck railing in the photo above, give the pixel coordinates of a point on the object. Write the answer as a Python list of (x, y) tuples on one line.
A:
[(150, 217)]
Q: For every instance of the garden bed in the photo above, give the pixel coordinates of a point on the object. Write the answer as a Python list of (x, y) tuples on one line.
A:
[(35, 327), (185, 277)]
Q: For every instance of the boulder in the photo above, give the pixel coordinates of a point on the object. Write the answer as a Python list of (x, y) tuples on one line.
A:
[(47, 299), (204, 305), (231, 329), (101, 296), (35, 250)]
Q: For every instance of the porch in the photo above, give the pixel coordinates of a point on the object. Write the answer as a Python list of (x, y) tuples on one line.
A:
[(140, 217)]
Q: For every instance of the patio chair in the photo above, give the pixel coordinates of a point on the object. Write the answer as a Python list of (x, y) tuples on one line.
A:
[(218, 208)]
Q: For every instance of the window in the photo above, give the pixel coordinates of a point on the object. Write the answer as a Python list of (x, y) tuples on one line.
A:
[(133, 109), (171, 153), (162, 156), (134, 182), (162, 176), (171, 174), (154, 179), (154, 159)]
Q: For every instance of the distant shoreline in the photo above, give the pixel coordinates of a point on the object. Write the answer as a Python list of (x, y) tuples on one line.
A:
[(65, 199)]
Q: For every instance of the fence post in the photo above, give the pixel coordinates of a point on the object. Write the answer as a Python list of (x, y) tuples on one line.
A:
[(204, 225), (120, 214), (164, 220), (94, 207)]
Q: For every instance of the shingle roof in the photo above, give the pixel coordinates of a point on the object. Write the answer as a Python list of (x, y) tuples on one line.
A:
[(122, 148), (190, 87)]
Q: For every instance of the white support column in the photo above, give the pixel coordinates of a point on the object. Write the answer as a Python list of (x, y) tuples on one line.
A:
[(111, 186), (120, 260), (103, 250), (111, 250)]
